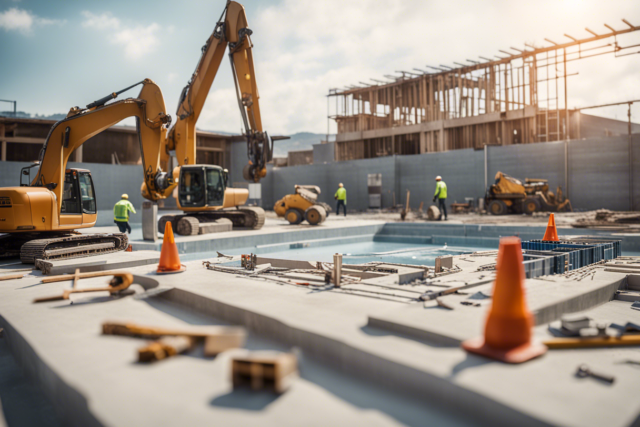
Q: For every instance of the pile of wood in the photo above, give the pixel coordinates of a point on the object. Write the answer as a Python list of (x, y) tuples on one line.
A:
[(605, 219)]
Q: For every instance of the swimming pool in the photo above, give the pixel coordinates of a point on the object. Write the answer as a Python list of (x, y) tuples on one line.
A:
[(354, 253)]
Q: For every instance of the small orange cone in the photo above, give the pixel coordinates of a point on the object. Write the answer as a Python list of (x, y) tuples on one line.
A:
[(507, 333), (551, 235), (169, 258)]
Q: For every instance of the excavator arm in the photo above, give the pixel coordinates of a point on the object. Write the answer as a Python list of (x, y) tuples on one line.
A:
[(231, 30), (81, 124)]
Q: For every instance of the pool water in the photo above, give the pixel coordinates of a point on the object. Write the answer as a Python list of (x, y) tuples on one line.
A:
[(358, 253)]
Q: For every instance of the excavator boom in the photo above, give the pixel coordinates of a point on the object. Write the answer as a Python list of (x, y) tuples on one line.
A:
[(231, 31)]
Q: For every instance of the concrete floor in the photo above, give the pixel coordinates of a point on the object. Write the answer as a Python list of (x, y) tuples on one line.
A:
[(352, 371)]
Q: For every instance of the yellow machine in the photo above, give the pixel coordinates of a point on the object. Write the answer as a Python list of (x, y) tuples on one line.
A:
[(303, 205), (203, 192), (41, 215), (510, 195)]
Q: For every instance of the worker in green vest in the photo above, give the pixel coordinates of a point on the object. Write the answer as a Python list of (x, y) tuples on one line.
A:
[(121, 213), (441, 195), (341, 197)]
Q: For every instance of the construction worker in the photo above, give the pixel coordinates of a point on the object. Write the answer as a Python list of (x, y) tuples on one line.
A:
[(341, 197), (121, 213), (441, 195)]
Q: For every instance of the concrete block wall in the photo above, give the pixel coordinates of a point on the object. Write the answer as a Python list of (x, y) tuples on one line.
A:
[(597, 173)]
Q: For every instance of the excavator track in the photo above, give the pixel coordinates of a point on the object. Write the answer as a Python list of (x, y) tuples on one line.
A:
[(72, 246), (247, 217)]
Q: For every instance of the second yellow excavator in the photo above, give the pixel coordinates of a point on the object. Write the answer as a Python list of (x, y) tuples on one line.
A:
[(208, 203)]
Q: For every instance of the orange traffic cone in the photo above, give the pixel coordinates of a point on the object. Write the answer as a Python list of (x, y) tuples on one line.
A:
[(551, 235), (507, 333), (169, 258)]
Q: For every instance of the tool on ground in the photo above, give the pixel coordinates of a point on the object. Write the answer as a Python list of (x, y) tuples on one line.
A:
[(509, 194), (593, 342), (164, 348), (303, 205), (584, 371), (169, 257), (264, 371), (12, 276), (431, 295), (216, 338), (551, 234), (572, 324), (119, 283), (507, 334), (77, 275), (249, 262)]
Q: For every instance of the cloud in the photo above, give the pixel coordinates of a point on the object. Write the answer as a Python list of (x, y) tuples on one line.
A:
[(23, 21), (136, 40), (171, 77), (333, 43)]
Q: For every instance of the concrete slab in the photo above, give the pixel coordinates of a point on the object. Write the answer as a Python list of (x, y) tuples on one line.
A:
[(351, 372), (115, 261)]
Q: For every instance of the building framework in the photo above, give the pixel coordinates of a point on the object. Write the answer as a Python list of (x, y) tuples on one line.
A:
[(518, 98)]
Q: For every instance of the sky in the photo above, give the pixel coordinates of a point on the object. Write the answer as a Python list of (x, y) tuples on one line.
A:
[(59, 54)]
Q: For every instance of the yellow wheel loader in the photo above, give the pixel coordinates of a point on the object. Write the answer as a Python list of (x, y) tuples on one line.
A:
[(510, 195), (303, 205)]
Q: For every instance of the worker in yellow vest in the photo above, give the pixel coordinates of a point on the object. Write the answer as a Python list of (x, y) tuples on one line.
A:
[(121, 213), (441, 195), (341, 197)]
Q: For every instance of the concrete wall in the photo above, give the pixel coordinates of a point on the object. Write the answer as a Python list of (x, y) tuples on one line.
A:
[(324, 153), (597, 173)]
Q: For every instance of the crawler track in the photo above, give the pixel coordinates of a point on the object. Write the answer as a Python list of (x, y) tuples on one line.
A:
[(67, 246)]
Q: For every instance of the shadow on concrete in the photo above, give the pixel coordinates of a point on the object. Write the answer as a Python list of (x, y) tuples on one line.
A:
[(87, 301), (379, 332), (471, 361), (245, 399)]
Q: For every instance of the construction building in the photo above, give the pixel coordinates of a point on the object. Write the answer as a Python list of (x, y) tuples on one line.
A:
[(21, 140), (518, 97)]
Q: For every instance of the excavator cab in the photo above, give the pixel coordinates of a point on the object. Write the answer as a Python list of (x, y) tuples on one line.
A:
[(201, 185), (78, 195)]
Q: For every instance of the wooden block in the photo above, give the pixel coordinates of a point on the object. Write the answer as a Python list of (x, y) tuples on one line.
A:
[(134, 330), (12, 276), (164, 348), (215, 344), (64, 277), (264, 371)]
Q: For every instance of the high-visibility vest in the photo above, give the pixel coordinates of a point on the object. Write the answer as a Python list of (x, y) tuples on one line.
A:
[(341, 194), (442, 187), (121, 210)]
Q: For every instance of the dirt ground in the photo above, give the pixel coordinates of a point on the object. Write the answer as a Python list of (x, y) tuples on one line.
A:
[(563, 219)]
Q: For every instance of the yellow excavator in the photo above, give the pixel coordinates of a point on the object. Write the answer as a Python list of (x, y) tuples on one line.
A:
[(203, 192), (510, 195), (41, 215)]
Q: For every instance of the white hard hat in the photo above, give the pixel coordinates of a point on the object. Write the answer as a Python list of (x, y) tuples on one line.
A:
[(124, 196), (340, 185), (438, 178)]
